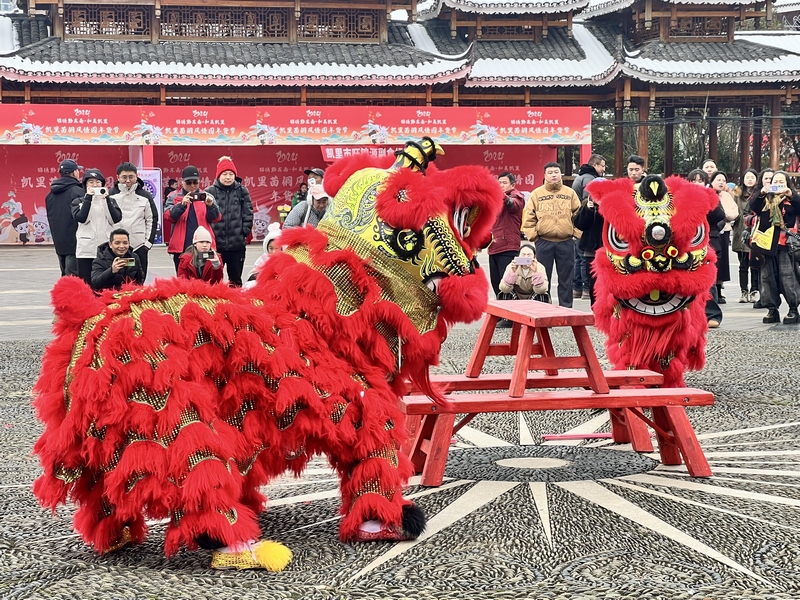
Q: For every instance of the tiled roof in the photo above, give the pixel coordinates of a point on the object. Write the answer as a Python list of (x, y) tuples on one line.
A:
[(786, 6), (596, 8), (217, 63), (558, 60), (679, 52), (430, 9), (30, 30)]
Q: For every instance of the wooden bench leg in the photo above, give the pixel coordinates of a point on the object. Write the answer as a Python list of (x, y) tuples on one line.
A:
[(419, 442), (683, 441), (413, 425), (478, 356), (543, 337), (594, 371), (519, 375), (627, 427), (437, 448)]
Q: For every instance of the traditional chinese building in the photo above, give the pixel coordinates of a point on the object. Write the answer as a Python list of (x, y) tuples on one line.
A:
[(648, 61)]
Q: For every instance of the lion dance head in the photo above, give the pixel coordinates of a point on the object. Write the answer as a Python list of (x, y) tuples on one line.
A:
[(654, 273)]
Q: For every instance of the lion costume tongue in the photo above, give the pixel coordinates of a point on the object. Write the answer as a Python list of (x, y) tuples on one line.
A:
[(654, 273)]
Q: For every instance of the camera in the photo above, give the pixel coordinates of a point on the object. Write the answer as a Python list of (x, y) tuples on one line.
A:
[(101, 191), (130, 262), (524, 261), (775, 189), (199, 196)]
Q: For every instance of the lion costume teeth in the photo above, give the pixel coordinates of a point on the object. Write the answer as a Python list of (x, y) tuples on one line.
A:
[(181, 400)]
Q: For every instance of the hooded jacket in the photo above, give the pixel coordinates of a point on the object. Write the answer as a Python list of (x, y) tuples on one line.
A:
[(139, 216), (178, 214), (237, 215), (585, 175), (97, 217), (104, 278), (63, 225)]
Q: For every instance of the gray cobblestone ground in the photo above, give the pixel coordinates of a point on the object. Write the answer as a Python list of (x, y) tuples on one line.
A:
[(605, 523)]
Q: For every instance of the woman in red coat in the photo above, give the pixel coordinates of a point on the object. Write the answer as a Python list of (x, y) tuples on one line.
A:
[(200, 261)]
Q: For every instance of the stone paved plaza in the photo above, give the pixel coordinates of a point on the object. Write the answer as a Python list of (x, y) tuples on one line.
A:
[(516, 517)]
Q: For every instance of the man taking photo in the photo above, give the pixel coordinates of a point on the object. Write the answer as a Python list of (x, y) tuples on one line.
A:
[(116, 264)]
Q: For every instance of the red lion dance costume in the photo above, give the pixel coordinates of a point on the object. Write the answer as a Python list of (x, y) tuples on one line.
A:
[(180, 400), (654, 279)]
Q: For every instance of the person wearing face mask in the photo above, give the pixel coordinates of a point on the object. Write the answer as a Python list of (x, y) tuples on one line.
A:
[(138, 211), (97, 215), (236, 209), (200, 261)]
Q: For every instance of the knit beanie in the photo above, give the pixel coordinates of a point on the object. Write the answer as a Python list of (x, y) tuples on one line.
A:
[(201, 234), (225, 164)]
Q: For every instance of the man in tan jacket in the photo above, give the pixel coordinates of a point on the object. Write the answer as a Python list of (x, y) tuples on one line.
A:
[(547, 221)]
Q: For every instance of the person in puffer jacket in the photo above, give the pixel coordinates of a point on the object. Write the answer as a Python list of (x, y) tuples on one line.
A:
[(139, 216), (232, 230), (97, 215), (63, 225)]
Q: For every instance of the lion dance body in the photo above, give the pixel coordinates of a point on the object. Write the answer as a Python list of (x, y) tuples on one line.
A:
[(181, 400), (654, 278)]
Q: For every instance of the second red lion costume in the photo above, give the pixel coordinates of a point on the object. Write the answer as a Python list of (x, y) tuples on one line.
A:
[(655, 275)]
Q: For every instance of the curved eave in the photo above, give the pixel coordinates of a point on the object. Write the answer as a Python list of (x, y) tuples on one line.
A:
[(768, 75), (598, 8), (115, 73), (546, 81), (500, 8)]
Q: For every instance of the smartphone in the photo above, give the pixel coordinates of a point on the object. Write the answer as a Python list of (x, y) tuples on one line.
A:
[(130, 262), (209, 254), (199, 196), (775, 188), (524, 261)]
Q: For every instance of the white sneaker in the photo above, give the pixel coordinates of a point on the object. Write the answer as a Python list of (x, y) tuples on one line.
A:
[(755, 296), (745, 297)]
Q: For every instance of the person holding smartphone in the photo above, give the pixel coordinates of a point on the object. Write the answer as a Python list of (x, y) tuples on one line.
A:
[(116, 264), (200, 260), (525, 278)]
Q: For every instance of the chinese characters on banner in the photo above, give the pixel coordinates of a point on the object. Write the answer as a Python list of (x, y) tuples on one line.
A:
[(32, 124)]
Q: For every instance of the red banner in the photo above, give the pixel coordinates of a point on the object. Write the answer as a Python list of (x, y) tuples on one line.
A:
[(272, 175), (65, 124)]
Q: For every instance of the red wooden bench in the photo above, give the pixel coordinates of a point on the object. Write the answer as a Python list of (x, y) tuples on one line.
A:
[(429, 437), (431, 427)]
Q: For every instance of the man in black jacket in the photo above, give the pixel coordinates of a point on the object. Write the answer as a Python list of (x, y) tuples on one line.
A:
[(116, 263), (236, 208), (59, 214)]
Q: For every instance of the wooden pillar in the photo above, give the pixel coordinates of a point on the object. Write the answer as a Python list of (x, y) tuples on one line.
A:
[(744, 141), (619, 146), (713, 138), (455, 91), (758, 133), (643, 129), (162, 94), (155, 22), (27, 92), (428, 97), (669, 140), (303, 95), (568, 160), (775, 133)]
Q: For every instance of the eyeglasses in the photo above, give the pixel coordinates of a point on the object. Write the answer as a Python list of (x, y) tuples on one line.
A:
[(128, 178), (192, 182)]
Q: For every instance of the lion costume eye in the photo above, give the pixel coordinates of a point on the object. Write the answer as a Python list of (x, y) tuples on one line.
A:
[(699, 236), (615, 241), (461, 221)]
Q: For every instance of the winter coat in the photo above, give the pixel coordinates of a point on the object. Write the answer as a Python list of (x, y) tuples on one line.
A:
[(716, 222), (237, 215), (187, 270), (742, 199), (63, 225), (549, 213), (104, 278), (521, 283), (297, 217), (590, 222), (585, 176), (790, 209), (178, 214), (97, 217), (139, 216), (506, 230)]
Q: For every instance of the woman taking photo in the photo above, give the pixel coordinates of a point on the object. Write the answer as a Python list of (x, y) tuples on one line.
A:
[(777, 207), (524, 277), (199, 261)]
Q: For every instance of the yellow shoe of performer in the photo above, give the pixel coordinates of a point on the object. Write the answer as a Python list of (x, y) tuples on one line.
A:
[(265, 554), (124, 539)]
